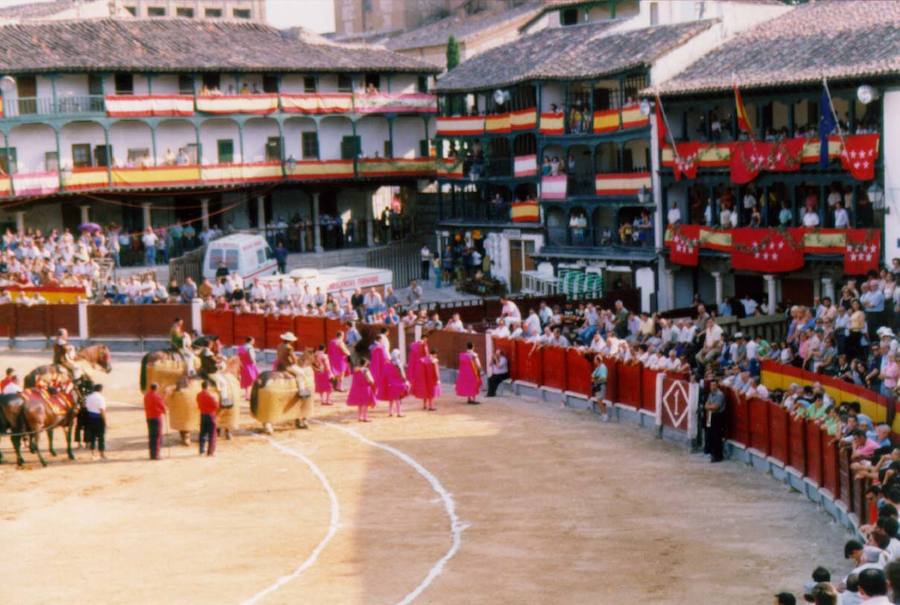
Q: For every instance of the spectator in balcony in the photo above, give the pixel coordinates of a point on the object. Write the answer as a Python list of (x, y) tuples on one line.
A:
[(455, 324), (554, 166), (810, 216), (785, 216), (841, 217), (148, 239), (169, 159), (547, 166), (245, 89), (673, 216), (643, 228), (578, 225), (755, 217)]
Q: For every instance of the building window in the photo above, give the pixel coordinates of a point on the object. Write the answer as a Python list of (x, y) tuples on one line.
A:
[(270, 83), (309, 84), (241, 13), (124, 84), (213, 13), (373, 81), (211, 81), (100, 158), (422, 84), (351, 147), (187, 13), (132, 10), (186, 85), (654, 13), (424, 148), (95, 85), (388, 149), (226, 151), (156, 11), (310, 146), (81, 155), (569, 16), (51, 161), (8, 162), (345, 83), (273, 149)]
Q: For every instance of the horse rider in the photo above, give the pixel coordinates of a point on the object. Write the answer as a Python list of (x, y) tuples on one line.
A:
[(182, 345), (64, 353), (286, 361), (211, 366)]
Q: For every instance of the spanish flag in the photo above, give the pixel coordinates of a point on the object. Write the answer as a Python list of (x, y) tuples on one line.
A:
[(525, 212), (743, 121)]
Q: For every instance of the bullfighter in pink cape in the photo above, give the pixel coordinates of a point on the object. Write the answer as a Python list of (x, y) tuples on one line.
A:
[(378, 359), (249, 371), (362, 390), (337, 357), (468, 379), (414, 368), (431, 379), (323, 375), (394, 384)]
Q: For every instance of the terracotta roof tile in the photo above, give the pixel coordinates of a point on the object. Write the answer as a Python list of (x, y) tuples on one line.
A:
[(163, 45), (833, 38)]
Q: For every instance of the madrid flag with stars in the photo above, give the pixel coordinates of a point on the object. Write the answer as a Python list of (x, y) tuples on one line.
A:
[(766, 250), (859, 155), (862, 252)]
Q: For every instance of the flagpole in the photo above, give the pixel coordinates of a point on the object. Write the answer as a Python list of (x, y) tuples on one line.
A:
[(837, 121), (665, 118)]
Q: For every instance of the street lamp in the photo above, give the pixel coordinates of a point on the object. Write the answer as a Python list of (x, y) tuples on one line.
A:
[(876, 196)]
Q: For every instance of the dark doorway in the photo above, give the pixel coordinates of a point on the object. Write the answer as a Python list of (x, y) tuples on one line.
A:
[(796, 291)]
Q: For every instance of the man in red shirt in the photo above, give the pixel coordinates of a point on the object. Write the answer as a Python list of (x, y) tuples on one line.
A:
[(10, 374), (154, 410), (209, 405)]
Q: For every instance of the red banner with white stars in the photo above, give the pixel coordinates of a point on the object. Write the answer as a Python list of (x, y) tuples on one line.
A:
[(859, 155), (769, 250), (862, 252)]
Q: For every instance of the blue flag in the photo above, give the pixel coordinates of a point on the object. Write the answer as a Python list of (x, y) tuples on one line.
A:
[(826, 126)]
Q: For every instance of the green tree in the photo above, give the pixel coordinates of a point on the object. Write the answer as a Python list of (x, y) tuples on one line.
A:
[(452, 53)]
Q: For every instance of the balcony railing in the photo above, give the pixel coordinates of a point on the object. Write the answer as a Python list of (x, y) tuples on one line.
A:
[(625, 236), (167, 105), (478, 211), (98, 178), (496, 123), (42, 106)]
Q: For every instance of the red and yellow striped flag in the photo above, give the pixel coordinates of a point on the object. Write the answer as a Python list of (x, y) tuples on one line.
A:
[(743, 121)]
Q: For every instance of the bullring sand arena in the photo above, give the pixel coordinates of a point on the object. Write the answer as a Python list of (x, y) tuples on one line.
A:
[(513, 501)]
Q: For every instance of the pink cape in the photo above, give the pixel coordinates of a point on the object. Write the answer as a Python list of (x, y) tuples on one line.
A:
[(378, 359), (361, 392), (337, 358), (323, 378), (468, 380), (431, 378), (392, 386), (414, 369), (249, 371)]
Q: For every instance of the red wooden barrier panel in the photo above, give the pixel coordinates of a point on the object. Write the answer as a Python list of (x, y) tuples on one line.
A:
[(579, 369), (813, 452), (830, 465), (276, 325), (797, 441), (310, 331), (648, 389), (554, 367), (250, 324), (779, 438), (157, 320), (629, 391), (7, 319), (116, 320), (739, 417), (862, 505), (612, 380), (221, 324), (528, 362), (758, 411), (333, 326), (846, 479)]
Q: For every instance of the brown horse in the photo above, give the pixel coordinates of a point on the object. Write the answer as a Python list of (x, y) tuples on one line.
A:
[(94, 357), (36, 410)]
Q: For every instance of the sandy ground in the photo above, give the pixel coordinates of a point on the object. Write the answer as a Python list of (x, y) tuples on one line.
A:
[(557, 508)]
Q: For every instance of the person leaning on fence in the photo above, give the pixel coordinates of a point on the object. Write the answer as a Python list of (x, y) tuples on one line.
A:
[(715, 422), (499, 372), (598, 387)]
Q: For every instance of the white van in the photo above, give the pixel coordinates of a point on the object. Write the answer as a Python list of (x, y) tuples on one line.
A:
[(248, 255)]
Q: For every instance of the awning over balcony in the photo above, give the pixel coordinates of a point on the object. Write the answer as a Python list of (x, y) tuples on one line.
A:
[(254, 104), (126, 106)]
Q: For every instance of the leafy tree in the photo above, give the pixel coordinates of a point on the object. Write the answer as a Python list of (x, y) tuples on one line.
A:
[(452, 53)]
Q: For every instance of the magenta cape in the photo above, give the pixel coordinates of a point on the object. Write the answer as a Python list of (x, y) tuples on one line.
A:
[(323, 378), (392, 386), (431, 378), (337, 358), (414, 369), (468, 379), (249, 371), (378, 361), (361, 392)]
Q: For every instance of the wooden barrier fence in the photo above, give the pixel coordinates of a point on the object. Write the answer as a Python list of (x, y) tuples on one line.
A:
[(103, 321)]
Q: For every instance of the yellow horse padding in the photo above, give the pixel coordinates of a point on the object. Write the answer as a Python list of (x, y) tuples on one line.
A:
[(165, 372), (277, 401), (184, 415)]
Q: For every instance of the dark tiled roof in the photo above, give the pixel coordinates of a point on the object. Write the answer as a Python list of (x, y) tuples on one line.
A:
[(835, 38), (35, 10), (461, 27), (567, 53), (162, 45)]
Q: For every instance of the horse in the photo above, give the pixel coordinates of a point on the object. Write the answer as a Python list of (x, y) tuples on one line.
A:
[(274, 398), (36, 409), (181, 399), (88, 359)]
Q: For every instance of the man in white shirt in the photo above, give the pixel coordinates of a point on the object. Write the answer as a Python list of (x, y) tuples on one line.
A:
[(841, 218), (95, 431), (749, 304), (149, 240), (510, 309), (674, 215), (12, 386), (712, 342)]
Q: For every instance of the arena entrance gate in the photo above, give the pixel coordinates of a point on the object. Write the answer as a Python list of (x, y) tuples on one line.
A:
[(676, 404)]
